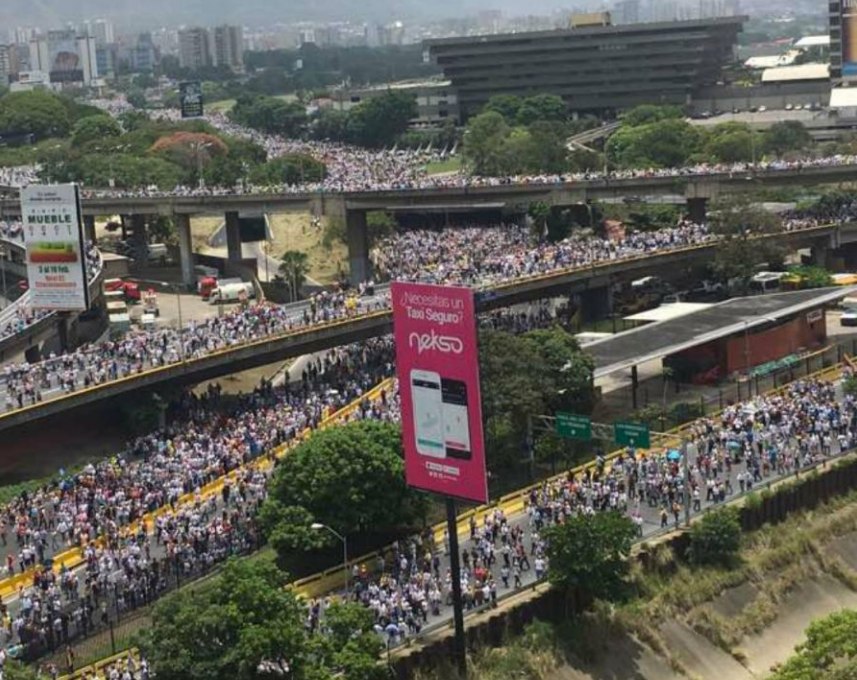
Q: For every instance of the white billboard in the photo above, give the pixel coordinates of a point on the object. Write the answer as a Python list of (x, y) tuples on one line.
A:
[(56, 258)]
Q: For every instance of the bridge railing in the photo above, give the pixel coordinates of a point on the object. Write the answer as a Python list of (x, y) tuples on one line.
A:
[(189, 364), (16, 313)]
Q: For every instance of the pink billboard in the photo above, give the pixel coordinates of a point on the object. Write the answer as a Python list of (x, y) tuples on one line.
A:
[(437, 363)]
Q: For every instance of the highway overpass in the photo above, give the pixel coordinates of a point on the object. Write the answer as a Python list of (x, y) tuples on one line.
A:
[(592, 283), (352, 207), (62, 325)]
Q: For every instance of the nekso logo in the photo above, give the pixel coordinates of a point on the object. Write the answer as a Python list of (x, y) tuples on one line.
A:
[(432, 341)]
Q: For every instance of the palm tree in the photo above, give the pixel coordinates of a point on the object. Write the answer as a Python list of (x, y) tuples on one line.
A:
[(294, 267)]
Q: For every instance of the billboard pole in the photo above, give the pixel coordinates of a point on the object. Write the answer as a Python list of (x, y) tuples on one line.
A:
[(460, 652)]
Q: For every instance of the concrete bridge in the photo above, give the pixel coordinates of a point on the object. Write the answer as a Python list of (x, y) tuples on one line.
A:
[(56, 325), (591, 285), (352, 207)]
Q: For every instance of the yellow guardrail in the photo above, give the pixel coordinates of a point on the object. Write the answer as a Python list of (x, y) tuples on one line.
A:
[(73, 557), (190, 362), (331, 579), (595, 267), (95, 669), (512, 503)]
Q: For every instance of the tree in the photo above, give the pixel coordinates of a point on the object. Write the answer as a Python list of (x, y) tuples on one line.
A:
[(541, 107), (245, 616), (812, 276), (507, 105), (15, 670), (289, 169), (377, 122), (544, 151), (191, 151), (785, 136), (738, 254), (137, 99), (731, 143), (94, 129), (351, 478), (716, 538), (351, 643), (588, 554), (484, 140), (36, 113), (249, 621), (379, 225), (567, 371), (294, 267), (526, 375), (829, 652), (661, 144), (270, 114), (650, 113), (539, 212)]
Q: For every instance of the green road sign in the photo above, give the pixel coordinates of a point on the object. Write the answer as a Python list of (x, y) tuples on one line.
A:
[(572, 426), (632, 434)]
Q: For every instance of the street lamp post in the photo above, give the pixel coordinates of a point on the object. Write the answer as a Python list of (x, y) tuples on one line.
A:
[(199, 147), (317, 526), (3, 274)]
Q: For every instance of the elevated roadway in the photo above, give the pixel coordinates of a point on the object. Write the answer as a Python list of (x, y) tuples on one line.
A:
[(591, 282), (709, 185), (48, 326), (352, 206)]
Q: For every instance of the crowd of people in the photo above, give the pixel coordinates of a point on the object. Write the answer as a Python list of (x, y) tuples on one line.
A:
[(209, 438), (18, 315), (480, 255), (134, 562), (95, 364), (474, 256), (406, 589), (744, 446)]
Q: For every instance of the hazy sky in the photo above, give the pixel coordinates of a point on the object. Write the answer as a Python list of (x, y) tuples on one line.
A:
[(149, 13)]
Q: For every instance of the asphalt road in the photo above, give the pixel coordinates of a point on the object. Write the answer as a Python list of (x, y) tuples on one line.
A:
[(651, 527)]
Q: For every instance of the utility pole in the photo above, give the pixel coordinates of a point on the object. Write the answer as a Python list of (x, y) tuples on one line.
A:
[(460, 651)]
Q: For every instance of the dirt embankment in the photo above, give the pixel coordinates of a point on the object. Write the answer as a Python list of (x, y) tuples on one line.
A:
[(721, 626)]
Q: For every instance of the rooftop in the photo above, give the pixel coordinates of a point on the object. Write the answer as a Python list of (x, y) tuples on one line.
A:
[(648, 27), (663, 338), (782, 74)]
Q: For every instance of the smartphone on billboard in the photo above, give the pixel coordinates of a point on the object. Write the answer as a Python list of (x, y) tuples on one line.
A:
[(456, 434), (427, 403)]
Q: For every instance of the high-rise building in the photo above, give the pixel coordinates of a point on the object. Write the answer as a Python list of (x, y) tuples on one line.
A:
[(626, 12), (100, 29), (65, 56), (227, 44), (194, 48), (220, 46), (7, 54), (142, 56), (598, 69)]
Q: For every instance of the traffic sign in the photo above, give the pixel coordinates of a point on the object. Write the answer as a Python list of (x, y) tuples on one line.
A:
[(632, 434), (573, 426)]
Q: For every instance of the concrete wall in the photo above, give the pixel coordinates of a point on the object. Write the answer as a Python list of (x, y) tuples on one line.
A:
[(545, 603), (772, 95)]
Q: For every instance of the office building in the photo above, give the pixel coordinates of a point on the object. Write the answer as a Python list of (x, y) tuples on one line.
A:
[(227, 44), (595, 69), (219, 46), (437, 102), (626, 12), (100, 29), (194, 48), (65, 56), (7, 55)]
